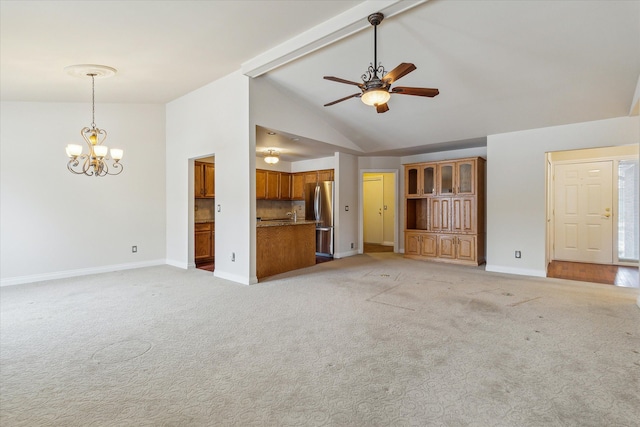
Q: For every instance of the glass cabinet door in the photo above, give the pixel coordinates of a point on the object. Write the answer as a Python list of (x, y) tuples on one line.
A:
[(464, 175), (446, 179), (428, 179), (411, 182)]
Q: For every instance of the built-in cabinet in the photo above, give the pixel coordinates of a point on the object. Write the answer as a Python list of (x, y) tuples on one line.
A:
[(204, 180), (204, 242), (444, 211), (273, 185)]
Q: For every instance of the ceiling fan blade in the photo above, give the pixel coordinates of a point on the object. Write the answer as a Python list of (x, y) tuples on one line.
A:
[(382, 108), (343, 99), (416, 91), (339, 80), (398, 72)]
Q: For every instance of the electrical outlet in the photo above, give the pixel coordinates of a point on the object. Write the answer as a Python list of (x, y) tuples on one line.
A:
[(233, 257), (134, 249), (352, 245), (518, 254), (346, 208)]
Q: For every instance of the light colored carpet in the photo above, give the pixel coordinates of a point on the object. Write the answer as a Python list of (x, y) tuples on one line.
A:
[(371, 340)]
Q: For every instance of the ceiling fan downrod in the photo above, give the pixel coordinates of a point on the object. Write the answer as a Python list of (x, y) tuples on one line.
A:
[(375, 19)]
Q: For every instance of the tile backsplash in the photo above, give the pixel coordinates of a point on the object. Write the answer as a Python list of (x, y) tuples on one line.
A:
[(204, 209), (278, 208)]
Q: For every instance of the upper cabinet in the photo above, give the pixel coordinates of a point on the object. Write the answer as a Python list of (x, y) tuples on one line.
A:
[(272, 185), (420, 180), (440, 178), (297, 186), (204, 180)]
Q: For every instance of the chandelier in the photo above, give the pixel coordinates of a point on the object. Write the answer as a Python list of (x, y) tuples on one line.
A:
[(271, 157), (96, 161)]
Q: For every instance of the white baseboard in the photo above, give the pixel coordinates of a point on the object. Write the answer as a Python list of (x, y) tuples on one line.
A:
[(235, 278), (346, 254), (20, 280), (518, 271), (179, 264)]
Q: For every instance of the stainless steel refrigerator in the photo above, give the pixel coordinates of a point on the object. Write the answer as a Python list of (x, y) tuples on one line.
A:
[(319, 207)]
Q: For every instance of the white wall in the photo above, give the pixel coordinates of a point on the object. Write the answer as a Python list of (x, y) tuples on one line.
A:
[(516, 206), (273, 109), (55, 224), (346, 222), (213, 120)]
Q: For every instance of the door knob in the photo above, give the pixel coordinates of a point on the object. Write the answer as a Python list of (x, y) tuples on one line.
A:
[(607, 215)]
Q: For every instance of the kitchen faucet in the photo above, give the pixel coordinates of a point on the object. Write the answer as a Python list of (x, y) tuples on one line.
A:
[(294, 215)]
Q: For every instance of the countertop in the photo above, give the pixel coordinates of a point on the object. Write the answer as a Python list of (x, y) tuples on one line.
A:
[(283, 222)]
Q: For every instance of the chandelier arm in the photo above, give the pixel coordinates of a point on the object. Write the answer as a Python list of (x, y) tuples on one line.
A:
[(118, 167)]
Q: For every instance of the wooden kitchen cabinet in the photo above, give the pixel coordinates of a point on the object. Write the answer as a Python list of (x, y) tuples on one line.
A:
[(204, 180), (444, 211), (204, 242), (273, 185), (313, 177), (297, 186), (261, 184), (285, 186), (325, 175)]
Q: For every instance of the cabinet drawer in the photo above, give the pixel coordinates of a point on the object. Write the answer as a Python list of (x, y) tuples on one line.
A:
[(206, 226)]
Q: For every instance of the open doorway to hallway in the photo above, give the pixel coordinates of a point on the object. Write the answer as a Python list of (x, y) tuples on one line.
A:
[(379, 212), (593, 215)]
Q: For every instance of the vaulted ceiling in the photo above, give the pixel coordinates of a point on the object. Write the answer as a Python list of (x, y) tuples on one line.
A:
[(500, 66)]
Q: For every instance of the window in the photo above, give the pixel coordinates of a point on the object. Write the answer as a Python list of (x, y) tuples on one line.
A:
[(628, 218)]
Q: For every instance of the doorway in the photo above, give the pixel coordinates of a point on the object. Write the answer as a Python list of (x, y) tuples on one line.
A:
[(592, 212), (379, 211), (202, 180)]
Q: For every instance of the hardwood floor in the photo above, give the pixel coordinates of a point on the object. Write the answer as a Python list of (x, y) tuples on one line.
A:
[(372, 247), (596, 273), (208, 267)]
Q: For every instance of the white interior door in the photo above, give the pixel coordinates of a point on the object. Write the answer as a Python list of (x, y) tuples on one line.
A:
[(583, 202), (373, 195)]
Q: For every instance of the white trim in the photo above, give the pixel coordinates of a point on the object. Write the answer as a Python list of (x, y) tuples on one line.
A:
[(518, 271), (79, 272), (235, 278), (346, 254), (179, 264)]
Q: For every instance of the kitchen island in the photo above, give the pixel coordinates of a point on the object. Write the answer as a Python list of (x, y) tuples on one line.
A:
[(284, 246)]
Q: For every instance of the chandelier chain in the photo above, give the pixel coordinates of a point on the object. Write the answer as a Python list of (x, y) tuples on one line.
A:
[(93, 100)]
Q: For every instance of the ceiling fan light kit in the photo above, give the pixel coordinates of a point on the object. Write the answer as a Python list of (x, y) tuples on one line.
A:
[(376, 87)]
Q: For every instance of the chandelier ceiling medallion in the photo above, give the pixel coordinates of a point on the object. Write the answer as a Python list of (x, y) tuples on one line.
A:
[(95, 162)]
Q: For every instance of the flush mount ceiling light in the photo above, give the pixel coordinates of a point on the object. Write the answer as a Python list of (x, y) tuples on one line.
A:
[(375, 89), (95, 162), (271, 157)]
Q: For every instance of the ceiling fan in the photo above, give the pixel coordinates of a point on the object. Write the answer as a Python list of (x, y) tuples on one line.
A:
[(375, 89)]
